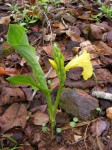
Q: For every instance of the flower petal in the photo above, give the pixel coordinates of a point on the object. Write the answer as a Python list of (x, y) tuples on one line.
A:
[(53, 63), (84, 62)]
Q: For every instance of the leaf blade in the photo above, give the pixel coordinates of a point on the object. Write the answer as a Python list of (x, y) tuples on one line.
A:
[(23, 80)]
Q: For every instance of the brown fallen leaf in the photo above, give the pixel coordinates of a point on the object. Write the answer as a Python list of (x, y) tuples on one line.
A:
[(52, 74), (109, 146), (99, 127), (14, 116), (65, 1), (96, 31), (41, 108), (77, 137), (107, 37), (49, 37), (8, 71), (40, 118), (73, 36), (55, 83), (104, 26), (37, 138), (59, 25), (11, 95), (88, 19), (7, 19), (49, 50)]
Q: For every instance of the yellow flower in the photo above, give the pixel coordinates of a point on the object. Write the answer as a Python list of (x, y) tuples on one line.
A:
[(53, 63), (84, 62)]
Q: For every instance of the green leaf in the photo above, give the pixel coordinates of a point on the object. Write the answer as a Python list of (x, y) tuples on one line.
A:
[(58, 130), (23, 80), (72, 124), (75, 119), (29, 54), (16, 35), (21, 45), (98, 109), (44, 129)]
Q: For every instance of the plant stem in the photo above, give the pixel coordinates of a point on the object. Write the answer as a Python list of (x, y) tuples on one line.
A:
[(58, 97), (51, 112), (52, 108)]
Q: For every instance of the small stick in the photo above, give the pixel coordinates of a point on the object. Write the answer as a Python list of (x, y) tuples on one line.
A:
[(100, 94)]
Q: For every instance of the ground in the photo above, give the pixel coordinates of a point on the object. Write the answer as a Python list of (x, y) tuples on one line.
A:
[(74, 26)]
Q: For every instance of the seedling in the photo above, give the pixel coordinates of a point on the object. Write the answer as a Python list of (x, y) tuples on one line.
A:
[(72, 123), (44, 128), (11, 139), (29, 15), (58, 130), (96, 17), (99, 109), (49, 82), (107, 10), (19, 41), (75, 119)]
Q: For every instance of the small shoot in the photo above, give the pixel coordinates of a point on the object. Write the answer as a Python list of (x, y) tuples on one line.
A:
[(106, 10), (72, 124), (44, 128), (9, 138), (58, 130), (98, 109), (49, 82), (27, 118), (75, 119)]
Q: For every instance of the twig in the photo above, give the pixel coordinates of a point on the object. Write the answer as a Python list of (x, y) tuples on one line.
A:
[(49, 25), (64, 23), (100, 94), (85, 135), (75, 142)]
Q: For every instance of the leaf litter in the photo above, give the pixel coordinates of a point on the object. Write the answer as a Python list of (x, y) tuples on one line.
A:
[(70, 25)]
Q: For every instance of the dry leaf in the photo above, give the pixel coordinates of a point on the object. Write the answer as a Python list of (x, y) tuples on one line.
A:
[(7, 19), (49, 37), (49, 50), (14, 116), (52, 74), (8, 71), (74, 37), (99, 127), (10, 95), (77, 137), (96, 31), (59, 25), (40, 118), (55, 83)]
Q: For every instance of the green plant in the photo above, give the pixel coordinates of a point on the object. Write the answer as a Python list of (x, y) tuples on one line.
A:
[(75, 119), (72, 123), (11, 139), (107, 10), (99, 109), (58, 130), (14, 8), (44, 128), (45, 2), (29, 15), (19, 41), (96, 17)]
